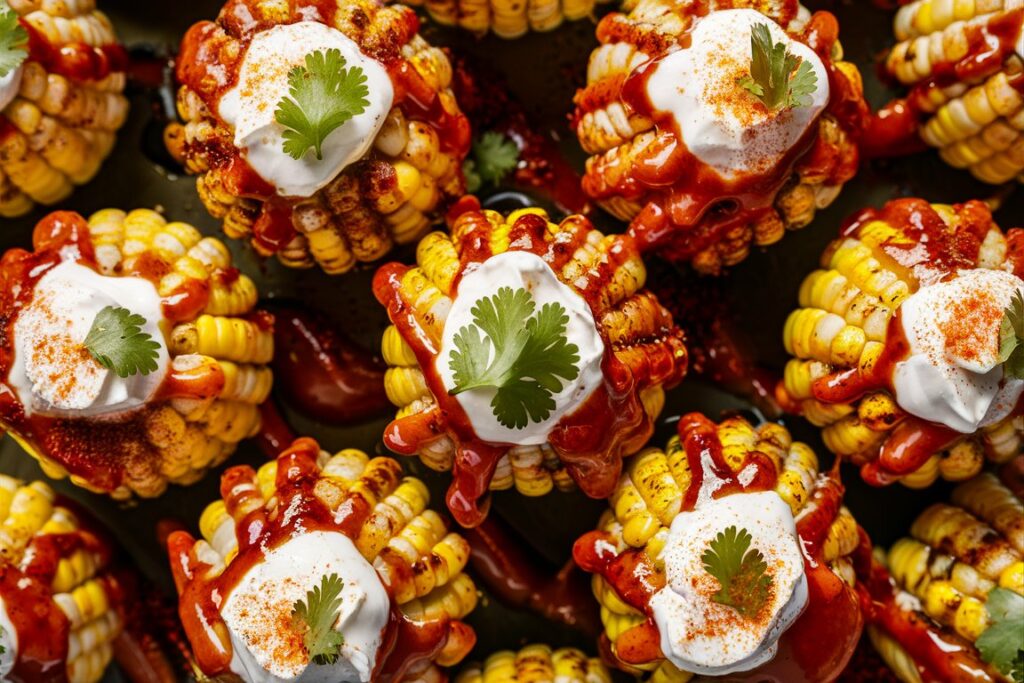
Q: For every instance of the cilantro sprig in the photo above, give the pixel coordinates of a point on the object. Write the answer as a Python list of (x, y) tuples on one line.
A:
[(13, 40), (315, 617), (116, 341), (1011, 338), (531, 355), (322, 96), (741, 572), (772, 79), (1002, 643), (493, 157)]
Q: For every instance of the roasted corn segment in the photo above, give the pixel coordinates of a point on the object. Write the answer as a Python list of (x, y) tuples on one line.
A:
[(959, 60), (960, 559), (612, 355), (507, 19), (140, 358), (61, 102), (58, 595), (665, 501), (380, 179), (671, 156), (893, 334), (348, 525), (536, 663)]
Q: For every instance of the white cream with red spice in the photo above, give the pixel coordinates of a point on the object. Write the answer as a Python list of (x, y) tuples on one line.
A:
[(702, 636), (267, 647), (8, 643), (522, 270), (53, 373), (10, 85), (250, 107), (721, 123), (952, 375)]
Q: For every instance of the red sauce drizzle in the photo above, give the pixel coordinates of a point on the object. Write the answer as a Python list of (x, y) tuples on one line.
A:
[(820, 642), (100, 454), (404, 643), (76, 61), (591, 441)]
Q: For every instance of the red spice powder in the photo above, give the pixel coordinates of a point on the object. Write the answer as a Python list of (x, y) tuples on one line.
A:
[(971, 329)]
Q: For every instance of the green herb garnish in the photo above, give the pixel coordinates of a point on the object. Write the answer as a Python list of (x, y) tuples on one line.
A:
[(323, 95), (13, 40), (1002, 643), (116, 341), (316, 617), (741, 572), (771, 77), (494, 156), (1011, 338), (531, 355)]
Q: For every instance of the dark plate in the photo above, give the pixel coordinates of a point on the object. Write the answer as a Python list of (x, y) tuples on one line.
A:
[(543, 71)]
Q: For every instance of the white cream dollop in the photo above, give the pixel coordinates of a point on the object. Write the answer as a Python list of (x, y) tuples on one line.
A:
[(721, 123), (953, 375), (522, 270), (10, 85), (8, 641), (703, 636), (257, 612), (263, 81), (53, 373)]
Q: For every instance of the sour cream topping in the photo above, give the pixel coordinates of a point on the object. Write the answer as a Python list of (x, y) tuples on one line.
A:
[(10, 85), (522, 270), (53, 373), (8, 641), (953, 375), (703, 636), (721, 123), (249, 107), (266, 648)]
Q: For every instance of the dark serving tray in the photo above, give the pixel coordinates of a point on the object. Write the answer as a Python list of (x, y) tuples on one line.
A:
[(542, 71)]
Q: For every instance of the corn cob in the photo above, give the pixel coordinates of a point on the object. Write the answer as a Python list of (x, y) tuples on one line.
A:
[(974, 117), (388, 198), (955, 556), (506, 19), (62, 122), (618, 137), (649, 496), (219, 345), (632, 323), (72, 592), (536, 663), (419, 562), (843, 324)]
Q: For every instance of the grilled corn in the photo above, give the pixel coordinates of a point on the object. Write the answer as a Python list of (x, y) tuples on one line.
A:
[(536, 663), (507, 18)]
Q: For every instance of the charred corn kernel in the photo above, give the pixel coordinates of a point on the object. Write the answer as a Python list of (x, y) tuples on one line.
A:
[(536, 663)]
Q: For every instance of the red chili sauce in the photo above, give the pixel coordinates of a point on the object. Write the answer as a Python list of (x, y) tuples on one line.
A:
[(211, 58), (104, 453), (930, 253), (688, 206), (591, 442), (818, 645), (405, 642)]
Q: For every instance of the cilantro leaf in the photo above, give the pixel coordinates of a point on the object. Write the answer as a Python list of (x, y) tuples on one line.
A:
[(741, 572), (778, 78), (531, 355), (323, 95), (116, 341), (13, 40), (1002, 643), (316, 617), (494, 156), (1011, 338)]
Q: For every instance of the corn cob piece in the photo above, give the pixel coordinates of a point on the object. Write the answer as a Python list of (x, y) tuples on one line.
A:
[(955, 556), (218, 344), (844, 325), (507, 19), (385, 517), (651, 492), (389, 197), (536, 663), (623, 141), (58, 596), (961, 69), (605, 270), (63, 118)]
